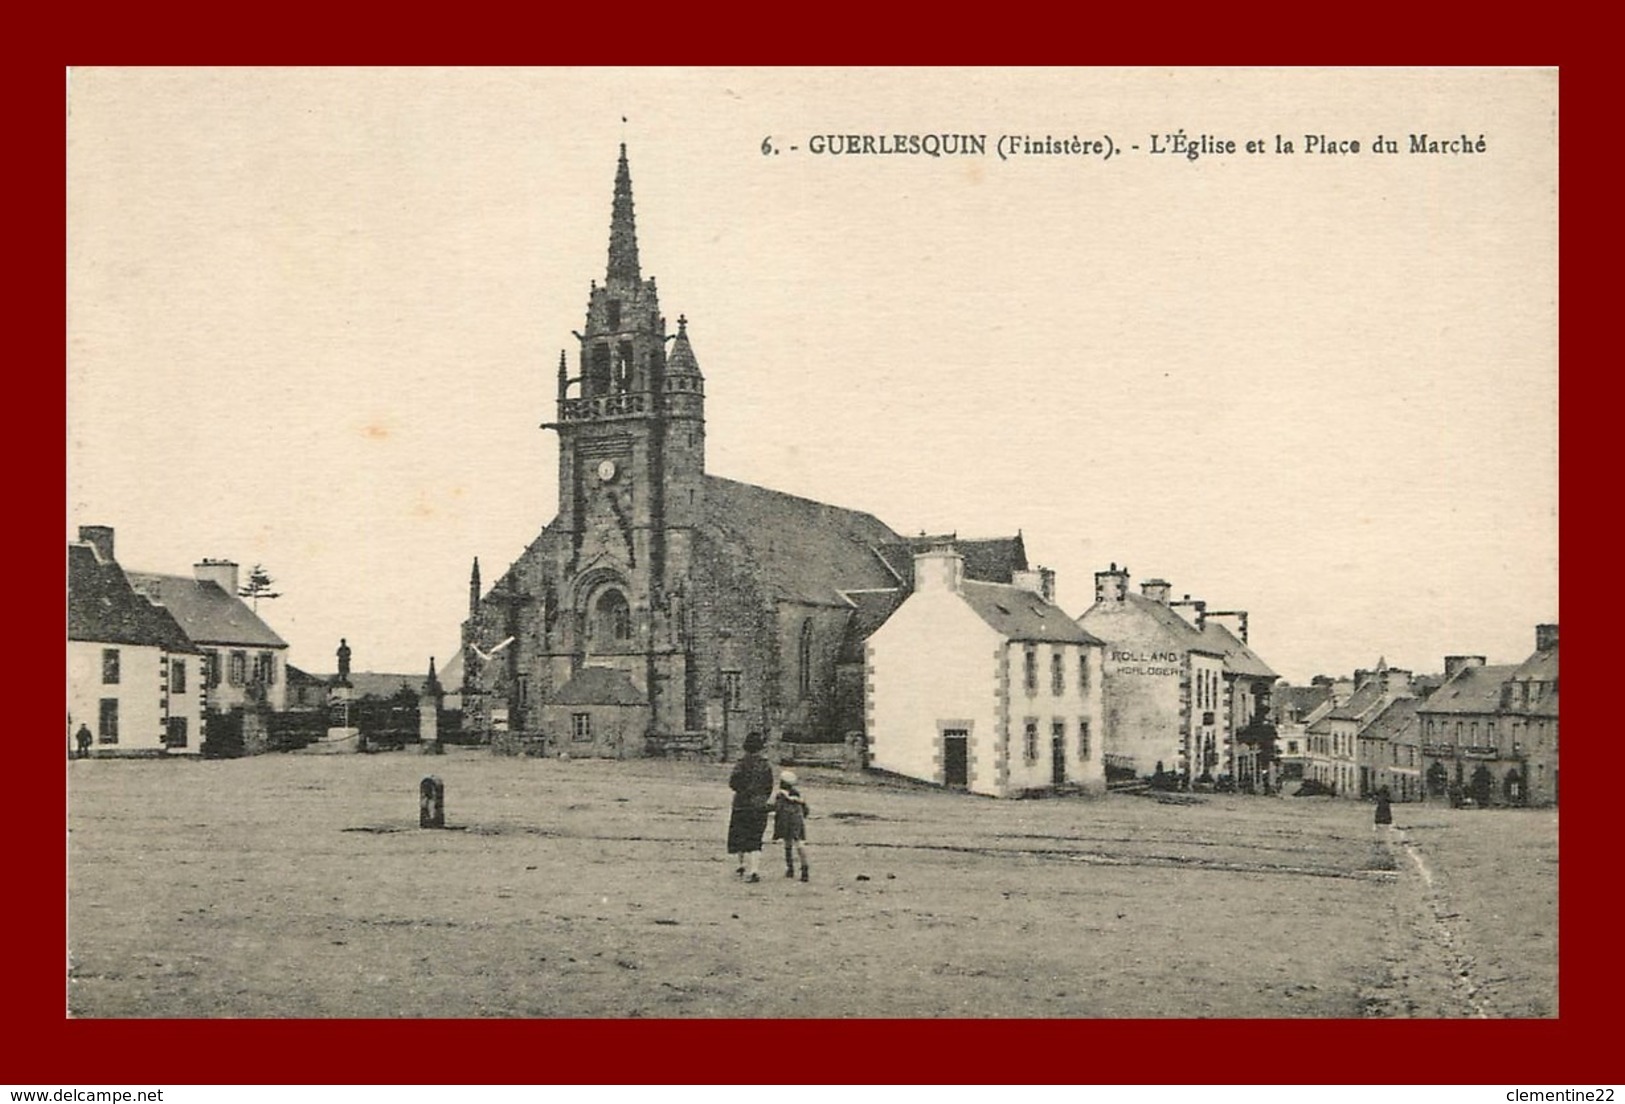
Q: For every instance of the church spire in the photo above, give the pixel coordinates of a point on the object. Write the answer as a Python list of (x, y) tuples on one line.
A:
[(623, 233)]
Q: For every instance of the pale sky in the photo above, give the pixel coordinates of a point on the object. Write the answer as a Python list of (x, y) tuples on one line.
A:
[(315, 317)]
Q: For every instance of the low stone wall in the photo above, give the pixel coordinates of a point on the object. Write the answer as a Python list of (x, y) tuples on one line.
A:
[(846, 755), (680, 745), (530, 744)]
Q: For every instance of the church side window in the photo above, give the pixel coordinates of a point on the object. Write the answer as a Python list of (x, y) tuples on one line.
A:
[(804, 658)]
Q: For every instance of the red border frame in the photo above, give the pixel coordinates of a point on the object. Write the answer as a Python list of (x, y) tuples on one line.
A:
[(51, 1050)]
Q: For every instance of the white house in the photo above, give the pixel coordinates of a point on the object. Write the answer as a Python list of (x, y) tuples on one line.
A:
[(986, 686), (134, 678)]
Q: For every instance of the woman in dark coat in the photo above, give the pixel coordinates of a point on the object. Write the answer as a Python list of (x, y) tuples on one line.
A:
[(752, 783)]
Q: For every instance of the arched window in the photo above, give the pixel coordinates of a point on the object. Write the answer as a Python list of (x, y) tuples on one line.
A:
[(804, 658), (612, 619)]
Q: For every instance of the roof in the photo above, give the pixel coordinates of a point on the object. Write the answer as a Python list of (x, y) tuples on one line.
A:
[(598, 686), (1238, 658), (1181, 632), (1392, 722), (1473, 690), (988, 560), (1018, 614), (206, 612), (104, 608), (805, 551), (1298, 702), (1361, 702), (1539, 667)]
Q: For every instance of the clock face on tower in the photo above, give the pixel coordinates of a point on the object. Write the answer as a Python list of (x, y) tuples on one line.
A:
[(606, 470)]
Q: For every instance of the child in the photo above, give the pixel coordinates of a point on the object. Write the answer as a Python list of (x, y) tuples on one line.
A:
[(790, 823)]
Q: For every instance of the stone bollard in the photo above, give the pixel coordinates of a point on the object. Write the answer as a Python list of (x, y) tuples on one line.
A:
[(432, 803)]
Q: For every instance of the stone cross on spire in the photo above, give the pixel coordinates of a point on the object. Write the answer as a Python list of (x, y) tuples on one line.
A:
[(623, 234)]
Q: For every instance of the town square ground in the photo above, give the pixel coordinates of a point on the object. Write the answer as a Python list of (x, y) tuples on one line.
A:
[(298, 886)]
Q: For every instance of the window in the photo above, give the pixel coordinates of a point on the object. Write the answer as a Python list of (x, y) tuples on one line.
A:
[(732, 687), (237, 668), (1083, 672), (581, 727), (265, 668), (804, 657), (613, 620), (107, 724), (1031, 677), (211, 669), (109, 666), (177, 676), (1030, 748), (614, 312), (1083, 740), (1057, 673)]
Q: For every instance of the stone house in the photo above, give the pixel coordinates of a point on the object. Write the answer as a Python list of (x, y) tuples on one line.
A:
[(989, 687)]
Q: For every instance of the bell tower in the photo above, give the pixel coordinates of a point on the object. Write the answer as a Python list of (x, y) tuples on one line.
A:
[(631, 426)]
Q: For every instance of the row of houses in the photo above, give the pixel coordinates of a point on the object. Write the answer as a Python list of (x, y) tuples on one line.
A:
[(1480, 733)]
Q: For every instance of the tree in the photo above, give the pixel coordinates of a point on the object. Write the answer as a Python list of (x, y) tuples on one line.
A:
[(257, 586)]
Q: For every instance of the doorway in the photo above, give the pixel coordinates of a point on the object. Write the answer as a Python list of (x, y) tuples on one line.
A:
[(955, 757)]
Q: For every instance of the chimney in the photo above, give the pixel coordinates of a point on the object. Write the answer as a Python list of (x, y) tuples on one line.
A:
[(1156, 590), (223, 573), (1234, 620), (100, 537), (1111, 585), (1545, 635), (1396, 682), (940, 568), (1454, 665), (1192, 610), (1040, 581)]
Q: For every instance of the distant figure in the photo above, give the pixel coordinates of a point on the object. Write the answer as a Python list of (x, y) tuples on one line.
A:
[(344, 661), (82, 740), (790, 823), (1385, 814), (752, 784)]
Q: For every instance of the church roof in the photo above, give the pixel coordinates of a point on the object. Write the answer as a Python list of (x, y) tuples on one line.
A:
[(804, 551), (207, 613), (598, 686), (104, 608), (1016, 613)]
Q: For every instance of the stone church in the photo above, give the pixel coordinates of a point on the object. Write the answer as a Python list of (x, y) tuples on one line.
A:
[(665, 606)]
